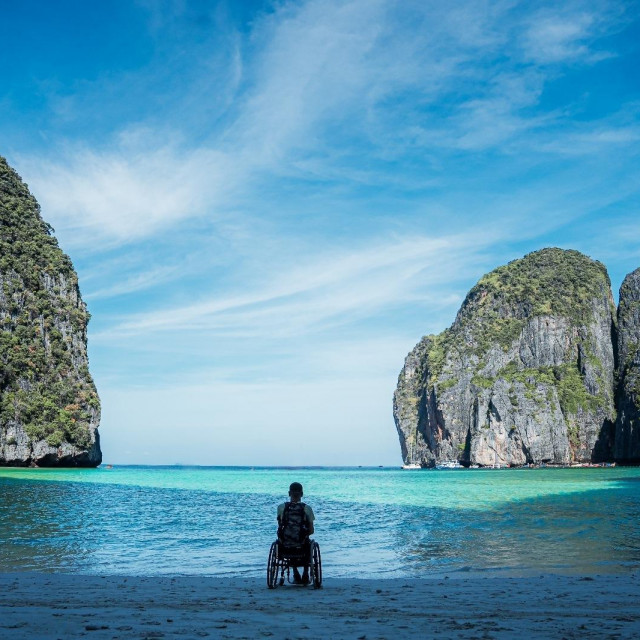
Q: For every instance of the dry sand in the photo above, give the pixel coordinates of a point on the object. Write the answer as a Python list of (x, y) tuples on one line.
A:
[(65, 606)]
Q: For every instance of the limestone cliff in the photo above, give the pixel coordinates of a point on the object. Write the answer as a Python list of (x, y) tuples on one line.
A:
[(49, 408), (627, 438), (524, 375)]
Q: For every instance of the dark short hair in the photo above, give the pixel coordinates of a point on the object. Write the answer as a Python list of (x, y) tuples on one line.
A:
[(295, 487)]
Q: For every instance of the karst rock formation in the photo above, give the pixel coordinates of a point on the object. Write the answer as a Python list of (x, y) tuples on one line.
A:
[(538, 367), (49, 407), (627, 437)]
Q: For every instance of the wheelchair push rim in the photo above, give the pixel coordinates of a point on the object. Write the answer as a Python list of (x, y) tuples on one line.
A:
[(272, 567), (316, 565)]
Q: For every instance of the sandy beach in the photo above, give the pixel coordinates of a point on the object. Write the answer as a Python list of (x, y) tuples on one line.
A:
[(66, 606)]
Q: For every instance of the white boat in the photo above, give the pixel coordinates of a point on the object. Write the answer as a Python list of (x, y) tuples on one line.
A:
[(412, 465), (449, 464)]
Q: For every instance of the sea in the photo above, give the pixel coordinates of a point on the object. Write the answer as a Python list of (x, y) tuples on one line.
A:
[(370, 522)]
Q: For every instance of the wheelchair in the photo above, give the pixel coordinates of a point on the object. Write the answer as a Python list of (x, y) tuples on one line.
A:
[(282, 559)]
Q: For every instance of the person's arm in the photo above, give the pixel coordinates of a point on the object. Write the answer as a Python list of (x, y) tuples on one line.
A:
[(310, 518)]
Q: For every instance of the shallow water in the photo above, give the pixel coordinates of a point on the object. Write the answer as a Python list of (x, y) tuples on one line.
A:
[(370, 522)]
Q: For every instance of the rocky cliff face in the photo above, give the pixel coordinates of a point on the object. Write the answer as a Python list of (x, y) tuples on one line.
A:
[(524, 375), (49, 408), (627, 438)]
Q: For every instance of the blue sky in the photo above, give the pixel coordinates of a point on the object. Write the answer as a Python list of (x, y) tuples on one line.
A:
[(269, 203)]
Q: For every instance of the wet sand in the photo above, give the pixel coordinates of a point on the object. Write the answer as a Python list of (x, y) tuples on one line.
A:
[(66, 606)]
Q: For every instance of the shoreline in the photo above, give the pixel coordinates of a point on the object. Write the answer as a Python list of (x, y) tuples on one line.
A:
[(547, 606)]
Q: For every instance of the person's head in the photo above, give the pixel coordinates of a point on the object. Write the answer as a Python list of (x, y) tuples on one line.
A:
[(295, 491)]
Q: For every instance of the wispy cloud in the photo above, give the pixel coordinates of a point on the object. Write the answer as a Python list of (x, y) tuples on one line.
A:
[(123, 195), (137, 282), (314, 86), (301, 193), (498, 117), (565, 34), (322, 291), (596, 138)]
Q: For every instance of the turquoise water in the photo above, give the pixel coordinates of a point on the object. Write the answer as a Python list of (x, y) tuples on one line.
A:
[(370, 522)]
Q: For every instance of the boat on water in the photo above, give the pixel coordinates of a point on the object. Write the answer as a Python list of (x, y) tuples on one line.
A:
[(449, 464), (412, 465)]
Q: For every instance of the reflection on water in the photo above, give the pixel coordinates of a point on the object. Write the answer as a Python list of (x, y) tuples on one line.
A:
[(370, 522)]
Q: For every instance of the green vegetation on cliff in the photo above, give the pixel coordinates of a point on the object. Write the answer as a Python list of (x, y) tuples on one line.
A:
[(546, 282), (525, 374), (45, 384), (629, 319)]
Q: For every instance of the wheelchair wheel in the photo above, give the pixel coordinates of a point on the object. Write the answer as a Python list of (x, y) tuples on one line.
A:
[(272, 567), (316, 565)]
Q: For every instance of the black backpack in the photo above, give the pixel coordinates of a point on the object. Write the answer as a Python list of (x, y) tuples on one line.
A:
[(293, 529)]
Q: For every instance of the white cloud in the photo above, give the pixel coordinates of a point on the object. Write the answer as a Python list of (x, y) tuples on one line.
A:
[(491, 120), (325, 290), (597, 138), (315, 86), (325, 64), (563, 35), (317, 62), (137, 282), (122, 195)]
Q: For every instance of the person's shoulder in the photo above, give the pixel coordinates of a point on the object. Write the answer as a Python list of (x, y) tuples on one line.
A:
[(309, 511), (281, 507)]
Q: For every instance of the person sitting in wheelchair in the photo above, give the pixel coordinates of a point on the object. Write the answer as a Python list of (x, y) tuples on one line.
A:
[(295, 525)]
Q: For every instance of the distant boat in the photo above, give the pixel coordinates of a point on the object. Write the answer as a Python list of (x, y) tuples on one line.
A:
[(412, 465), (449, 464)]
